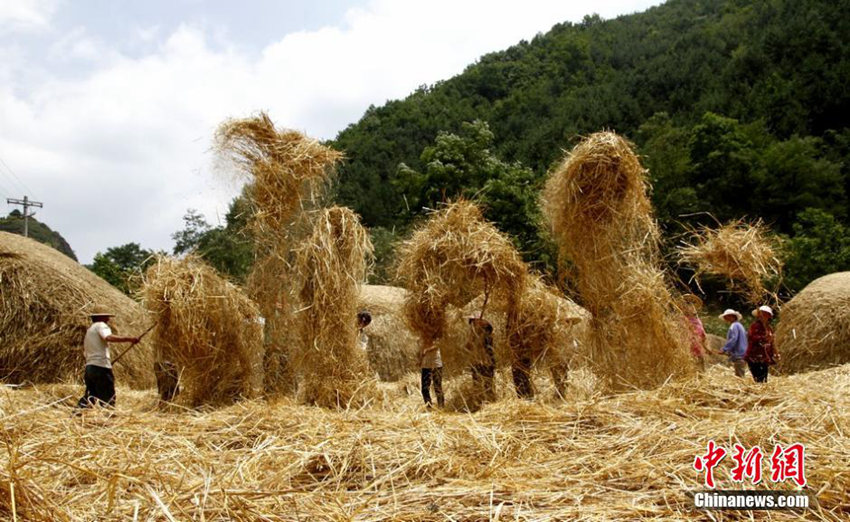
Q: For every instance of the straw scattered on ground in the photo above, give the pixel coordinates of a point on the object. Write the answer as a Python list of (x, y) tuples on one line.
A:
[(331, 265), (597, 207), (745, 255), (623, 457), (45, 299), (814, 327), (207, 327)]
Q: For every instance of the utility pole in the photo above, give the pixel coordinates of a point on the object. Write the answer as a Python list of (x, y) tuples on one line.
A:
[(26, 203)]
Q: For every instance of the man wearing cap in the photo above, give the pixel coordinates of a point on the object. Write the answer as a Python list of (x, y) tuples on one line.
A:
[(760, 350), (736, 342), (100, 382)]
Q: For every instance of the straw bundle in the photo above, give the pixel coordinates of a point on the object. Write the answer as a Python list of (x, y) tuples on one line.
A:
[(286, 169), (745, 254), (392, 350), (597, 206), (630, 455), (453, 257), (44, 300), (331, 265), (814, 326), (548, 329), (288, 173), (207, 327)]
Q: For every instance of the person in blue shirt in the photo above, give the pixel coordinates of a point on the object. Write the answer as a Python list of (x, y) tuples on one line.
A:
[(736, 342)]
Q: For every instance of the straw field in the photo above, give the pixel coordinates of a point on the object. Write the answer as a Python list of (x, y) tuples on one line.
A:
[(621, 457), (597, 207), (814, 327), (44, 300), (205, 326)]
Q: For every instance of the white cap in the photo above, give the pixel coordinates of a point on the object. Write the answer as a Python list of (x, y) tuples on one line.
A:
[(729, 311), (763, 308)]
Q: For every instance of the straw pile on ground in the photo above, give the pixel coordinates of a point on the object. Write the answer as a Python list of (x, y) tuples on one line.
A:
[(450, 259), (331, 265), (44, 300), (287, 174), (393, 349), (623, 457), (597, 206), (207, 327), (745, 254), (814, 326)]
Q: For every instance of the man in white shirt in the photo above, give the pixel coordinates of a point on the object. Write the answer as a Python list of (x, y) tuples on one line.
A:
[(100, 382)]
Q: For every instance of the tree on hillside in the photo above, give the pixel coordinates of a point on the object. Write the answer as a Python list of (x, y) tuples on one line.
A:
[(463, 165), (38, 231), (227, 248), (121, 266)]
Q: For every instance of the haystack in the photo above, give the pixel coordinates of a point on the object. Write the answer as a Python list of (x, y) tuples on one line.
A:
[(207, 327), (331, 265), (597, 206), (393, 349), (453, 257), (45, 297), (814, 327), (744, 254), (287, 174)]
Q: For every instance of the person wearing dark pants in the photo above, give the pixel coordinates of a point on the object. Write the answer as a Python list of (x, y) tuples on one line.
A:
[(521, 372), (483, 372), (759, 371), (431, 364), (99, 380), (761, 353)]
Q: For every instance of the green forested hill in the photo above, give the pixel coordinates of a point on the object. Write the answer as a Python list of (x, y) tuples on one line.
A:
[(739, 108), (14, 223)]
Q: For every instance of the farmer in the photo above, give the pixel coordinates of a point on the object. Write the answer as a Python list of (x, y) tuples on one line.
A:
[(100, 383), (736, 342), (484, 369), (431, 365), (692, 305), (364, 319), (760, 350)]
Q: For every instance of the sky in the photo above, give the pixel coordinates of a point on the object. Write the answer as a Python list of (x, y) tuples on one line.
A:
[(108, 107)]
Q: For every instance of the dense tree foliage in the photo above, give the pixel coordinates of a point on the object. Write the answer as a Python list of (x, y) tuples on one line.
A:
[(738, 108), (227, 248), (14, 223), (122, 266)]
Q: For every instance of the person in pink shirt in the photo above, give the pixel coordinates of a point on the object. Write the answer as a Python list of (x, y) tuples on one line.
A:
[(692, 305)]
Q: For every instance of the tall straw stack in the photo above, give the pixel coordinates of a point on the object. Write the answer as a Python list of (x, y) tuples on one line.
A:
[(597, 206), (745, 254), (45, 298), (452, 258), (288, 173), (814, 326), (207, 327), (331, 265)]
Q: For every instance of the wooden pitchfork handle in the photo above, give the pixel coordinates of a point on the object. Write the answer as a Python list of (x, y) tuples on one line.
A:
[(122, 354)]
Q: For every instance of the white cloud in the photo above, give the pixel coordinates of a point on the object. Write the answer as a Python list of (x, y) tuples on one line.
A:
[(119, 153), (25, 15)]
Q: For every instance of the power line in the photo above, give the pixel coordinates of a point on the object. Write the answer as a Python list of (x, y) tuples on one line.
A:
[(12, 172)]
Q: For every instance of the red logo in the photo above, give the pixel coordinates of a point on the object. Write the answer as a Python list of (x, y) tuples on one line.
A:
[(786, 463)]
